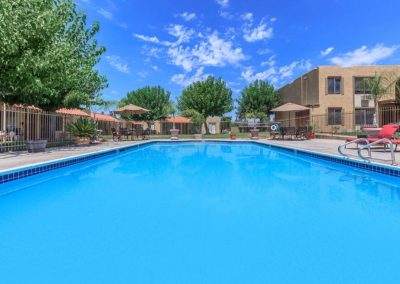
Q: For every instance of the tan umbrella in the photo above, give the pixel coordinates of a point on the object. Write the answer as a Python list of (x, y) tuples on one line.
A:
[(131, 109), (289, 107)]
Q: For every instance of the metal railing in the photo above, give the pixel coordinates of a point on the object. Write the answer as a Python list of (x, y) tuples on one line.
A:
[(384, 142), (357, 142), (21, 124)]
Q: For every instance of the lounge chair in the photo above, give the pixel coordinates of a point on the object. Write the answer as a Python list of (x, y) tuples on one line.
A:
[(387, 132)]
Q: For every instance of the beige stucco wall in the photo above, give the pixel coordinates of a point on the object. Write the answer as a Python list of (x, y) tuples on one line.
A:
[(303, 90), (314, 93)]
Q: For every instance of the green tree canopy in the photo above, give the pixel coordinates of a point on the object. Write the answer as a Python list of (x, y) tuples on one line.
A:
[(257, 100), (156, 99), (48, 55), (210, 97)]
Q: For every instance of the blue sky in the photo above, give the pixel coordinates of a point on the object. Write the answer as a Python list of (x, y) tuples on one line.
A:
[(173, 43)]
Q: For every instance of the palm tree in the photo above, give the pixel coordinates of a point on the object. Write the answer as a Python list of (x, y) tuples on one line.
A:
[(379, 86)]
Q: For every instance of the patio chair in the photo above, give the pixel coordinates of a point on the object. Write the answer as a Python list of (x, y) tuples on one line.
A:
[(125, 133), (116, 134), (146, 134), (301, 132), (288, 132)]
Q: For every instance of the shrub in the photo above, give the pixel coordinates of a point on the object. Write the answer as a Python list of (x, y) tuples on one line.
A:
[(82, 128)]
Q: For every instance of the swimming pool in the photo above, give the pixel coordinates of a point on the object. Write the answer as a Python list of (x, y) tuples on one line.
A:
[(201, 213)]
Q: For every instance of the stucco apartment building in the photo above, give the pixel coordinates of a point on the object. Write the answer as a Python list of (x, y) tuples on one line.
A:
[(337, 97)]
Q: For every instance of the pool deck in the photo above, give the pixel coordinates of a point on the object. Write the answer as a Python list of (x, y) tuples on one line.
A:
[(325, 146), (23, 158), (330, 146)]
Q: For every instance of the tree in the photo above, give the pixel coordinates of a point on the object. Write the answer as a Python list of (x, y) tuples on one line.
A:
[(210, 97), (156, 99), (378, 87), (48, 55), (257, 100), (196, 118)]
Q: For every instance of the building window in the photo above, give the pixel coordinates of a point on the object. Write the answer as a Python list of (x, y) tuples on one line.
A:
[(364, 116), (360, 86), (334, 85), (334, 116)]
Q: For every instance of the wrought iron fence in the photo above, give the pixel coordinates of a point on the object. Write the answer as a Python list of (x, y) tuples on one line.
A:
[(21, 124)]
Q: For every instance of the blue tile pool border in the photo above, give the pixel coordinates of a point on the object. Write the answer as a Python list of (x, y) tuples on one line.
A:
[(364, 165), (14, 174)]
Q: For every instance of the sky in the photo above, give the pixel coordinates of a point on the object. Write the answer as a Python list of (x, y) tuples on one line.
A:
[(173, 43)]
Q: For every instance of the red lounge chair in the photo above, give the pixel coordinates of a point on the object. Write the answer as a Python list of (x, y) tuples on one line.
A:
[(387, 131)]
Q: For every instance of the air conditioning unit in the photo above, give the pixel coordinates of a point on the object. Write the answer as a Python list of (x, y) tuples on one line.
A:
[(364, 103)]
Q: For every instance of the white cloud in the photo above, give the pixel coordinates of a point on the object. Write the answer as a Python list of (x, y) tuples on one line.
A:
[(250, 76), (247, 16), (182, 57), (116, 62), (187, 16), (184, 80), (264, 51), (327, 51), (364, 55), (269, 62), (152, 39), (217, 52), (287, 71), (151, 51), (226, 15), (214, 51), (276, 75), (143, 74), (182, 33), (260, 32), (223, 3), (106, 14)]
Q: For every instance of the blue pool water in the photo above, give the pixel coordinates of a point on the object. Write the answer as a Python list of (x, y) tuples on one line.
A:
[(201, 213)]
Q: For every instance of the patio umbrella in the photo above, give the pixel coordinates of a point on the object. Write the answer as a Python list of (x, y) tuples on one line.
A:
[(131, 109), (289, 107)]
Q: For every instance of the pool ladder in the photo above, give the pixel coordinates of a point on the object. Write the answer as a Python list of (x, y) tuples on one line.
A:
[(367, 146)]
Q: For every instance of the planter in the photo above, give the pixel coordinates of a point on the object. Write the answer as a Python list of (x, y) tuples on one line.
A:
[(174, 134), (310, 135), (34, 146), (254, 133), (82, 141), (233, 136), (198, 136)]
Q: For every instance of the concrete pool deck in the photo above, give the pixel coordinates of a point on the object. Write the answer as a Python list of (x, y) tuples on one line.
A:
[(325, 146), (23, 158)]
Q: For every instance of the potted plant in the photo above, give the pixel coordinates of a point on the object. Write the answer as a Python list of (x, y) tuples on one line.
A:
[(174, 132), (234, 132), (83, 130), (34, 146), (310, 133), (255, 116)]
